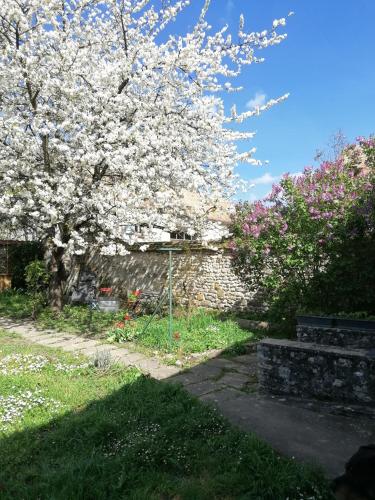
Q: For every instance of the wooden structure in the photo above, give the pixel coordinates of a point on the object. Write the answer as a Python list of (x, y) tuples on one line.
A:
[(5, 272)]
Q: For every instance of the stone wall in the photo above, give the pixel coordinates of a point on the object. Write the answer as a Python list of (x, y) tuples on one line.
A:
[(202, 277), (311, 370), (355, 339)]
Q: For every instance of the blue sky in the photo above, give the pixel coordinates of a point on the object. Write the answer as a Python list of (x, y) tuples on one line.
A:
[(327, 65)]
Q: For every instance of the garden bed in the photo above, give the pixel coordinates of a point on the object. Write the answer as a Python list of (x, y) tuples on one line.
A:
[(113, 433), (196, 334)]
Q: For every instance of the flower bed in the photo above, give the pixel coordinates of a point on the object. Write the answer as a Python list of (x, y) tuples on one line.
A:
[(199, 331)]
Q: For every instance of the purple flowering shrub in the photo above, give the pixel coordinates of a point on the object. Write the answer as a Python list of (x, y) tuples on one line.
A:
[(302, 242)]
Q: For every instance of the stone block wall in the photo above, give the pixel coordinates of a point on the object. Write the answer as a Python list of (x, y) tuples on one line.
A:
[(356, 339), (208, 280), (323, 372), (201, 277)]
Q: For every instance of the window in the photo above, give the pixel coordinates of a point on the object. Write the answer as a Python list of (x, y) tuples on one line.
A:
[(181, 236)]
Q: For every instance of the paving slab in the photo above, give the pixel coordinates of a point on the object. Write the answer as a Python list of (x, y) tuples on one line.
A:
[(130, 358), (58, 342), (247, 359), (86, 344), (165, 373), (41, 340), (229, 365), (91, 351), (147, 365), (197, 374), (236, 380), (120, 351), (36, 334), (75, 345), (308, 436), (34, 337), (49, 340), (204, 371), (204, 387)]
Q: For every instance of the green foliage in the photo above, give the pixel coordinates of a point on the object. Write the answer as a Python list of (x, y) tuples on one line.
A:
[(311, 243), (20, 256), (73, 319), (197, 331), (15, 304), (120, 435), (78, 319), (37, 278)]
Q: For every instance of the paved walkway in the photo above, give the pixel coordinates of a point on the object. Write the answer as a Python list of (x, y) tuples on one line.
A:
[(310, 433), (88, 347)]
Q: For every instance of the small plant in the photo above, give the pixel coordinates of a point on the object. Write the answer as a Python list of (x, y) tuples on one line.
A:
[(134, 295), (37, 278), (123, 331), (102, 360)]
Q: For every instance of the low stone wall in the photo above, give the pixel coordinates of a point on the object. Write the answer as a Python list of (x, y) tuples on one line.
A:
[(201, 277), (309, 370), (356, 339)]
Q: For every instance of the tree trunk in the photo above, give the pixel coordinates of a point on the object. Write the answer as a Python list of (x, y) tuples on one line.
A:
[(58, 277)]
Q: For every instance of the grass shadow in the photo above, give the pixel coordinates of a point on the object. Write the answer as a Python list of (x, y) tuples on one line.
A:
[(146, 440)]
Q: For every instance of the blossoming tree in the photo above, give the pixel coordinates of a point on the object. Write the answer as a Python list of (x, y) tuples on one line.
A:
[(303, 243), (104, 118)]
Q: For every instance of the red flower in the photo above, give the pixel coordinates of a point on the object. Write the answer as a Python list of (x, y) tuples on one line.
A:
[(137, 293), (176, 336), (127, 317), (120, 324)]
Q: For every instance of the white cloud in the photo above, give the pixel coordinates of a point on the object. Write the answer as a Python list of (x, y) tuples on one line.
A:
[(258, 100), (266, 178)]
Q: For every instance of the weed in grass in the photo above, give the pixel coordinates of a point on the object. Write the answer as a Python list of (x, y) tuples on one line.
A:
[(102, 360)]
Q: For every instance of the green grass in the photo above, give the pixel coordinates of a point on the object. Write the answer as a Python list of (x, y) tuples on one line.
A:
[(119, 435), (194, 332), (15, 305), (73, 319), (197, 331)]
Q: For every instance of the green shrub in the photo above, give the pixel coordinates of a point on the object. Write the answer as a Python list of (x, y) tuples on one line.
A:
[(311, 242), (20, 256), (37, 278)]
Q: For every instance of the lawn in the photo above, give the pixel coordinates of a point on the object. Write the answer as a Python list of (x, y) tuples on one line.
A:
[(195, 331), (72, 431), (73, 319)]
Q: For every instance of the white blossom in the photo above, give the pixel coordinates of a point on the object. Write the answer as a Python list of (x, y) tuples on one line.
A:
[(104, 119)]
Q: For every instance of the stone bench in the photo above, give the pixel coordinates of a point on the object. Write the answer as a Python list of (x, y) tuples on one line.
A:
[(351, 338), (308, 370)]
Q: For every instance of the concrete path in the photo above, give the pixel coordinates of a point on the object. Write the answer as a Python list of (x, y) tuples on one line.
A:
[(308, 432)]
